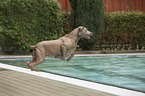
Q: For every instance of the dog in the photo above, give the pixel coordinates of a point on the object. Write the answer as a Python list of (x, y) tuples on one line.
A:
[(60, 48)]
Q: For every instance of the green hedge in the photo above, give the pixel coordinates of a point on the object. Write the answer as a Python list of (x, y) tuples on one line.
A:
[(38, 20), (124, 29)]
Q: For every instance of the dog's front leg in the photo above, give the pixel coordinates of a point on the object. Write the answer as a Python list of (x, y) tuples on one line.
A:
[(63, 50), (72, 55)]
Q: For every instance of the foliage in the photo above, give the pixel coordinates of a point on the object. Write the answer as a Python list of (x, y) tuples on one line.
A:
[(38, 20), (124, 28), (88, 13)]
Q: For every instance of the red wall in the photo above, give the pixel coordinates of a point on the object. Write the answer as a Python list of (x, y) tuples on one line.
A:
[(114, 5), (65, 5), (124, 5)]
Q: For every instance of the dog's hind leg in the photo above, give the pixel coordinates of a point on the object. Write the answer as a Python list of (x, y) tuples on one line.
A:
[(39, 58), (33, 57)]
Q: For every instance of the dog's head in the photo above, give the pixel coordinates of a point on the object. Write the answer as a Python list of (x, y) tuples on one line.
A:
[(84, 33)]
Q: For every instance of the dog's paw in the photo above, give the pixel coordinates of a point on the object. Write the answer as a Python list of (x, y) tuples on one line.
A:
[(34, 69)]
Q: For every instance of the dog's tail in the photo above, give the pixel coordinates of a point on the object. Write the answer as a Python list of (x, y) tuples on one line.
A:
[(31, 46)]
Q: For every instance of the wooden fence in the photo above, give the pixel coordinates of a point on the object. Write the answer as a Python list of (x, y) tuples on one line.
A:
[(114, 5), (124, 5), (65, 5)]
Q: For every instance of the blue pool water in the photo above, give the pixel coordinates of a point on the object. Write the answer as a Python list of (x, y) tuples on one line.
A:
[(127, 70)]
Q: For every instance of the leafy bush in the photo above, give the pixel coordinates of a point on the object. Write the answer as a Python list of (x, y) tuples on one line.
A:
[(38, 20), (124, 28)]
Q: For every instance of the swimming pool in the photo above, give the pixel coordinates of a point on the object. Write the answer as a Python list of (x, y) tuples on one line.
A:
[(125, 70)]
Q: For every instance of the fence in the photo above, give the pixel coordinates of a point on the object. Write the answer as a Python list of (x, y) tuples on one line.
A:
[(124, 5), (65, 5), (118, 47), (114, 5)]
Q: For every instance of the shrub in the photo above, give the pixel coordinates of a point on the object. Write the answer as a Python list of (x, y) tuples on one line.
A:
[(38, 20), (124, 28)]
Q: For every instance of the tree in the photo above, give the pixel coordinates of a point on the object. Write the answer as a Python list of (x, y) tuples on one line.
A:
[(88, 13)]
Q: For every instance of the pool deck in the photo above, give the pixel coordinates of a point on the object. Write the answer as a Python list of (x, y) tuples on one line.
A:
[(13, 83)]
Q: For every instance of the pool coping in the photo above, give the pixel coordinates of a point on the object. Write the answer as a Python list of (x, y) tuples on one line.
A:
[(74, 81), (13, 56)]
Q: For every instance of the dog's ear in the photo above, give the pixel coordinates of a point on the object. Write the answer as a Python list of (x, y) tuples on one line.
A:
[(80, 29)]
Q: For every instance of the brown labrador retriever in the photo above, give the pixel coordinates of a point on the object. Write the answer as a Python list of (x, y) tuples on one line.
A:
[(60, 48)]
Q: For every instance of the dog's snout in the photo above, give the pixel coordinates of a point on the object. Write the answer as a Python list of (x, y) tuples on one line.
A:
[(91, 33)]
